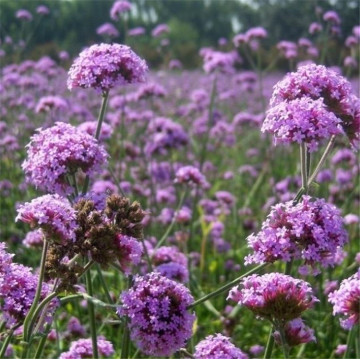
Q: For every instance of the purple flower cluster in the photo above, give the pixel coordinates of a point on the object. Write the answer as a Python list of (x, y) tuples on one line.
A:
[(119, 7), (313, 82), (159, 321), (346, 301), (159, 30), (303, 121), (53, 214), (47, 103), (17, 290), (296, 333), (107, 29), (165, 134), (311, 230), (192, 176), (217, 60), (58, 151), (89, 127), (170, 262), (130, 252), (82, 349), (218, 346), (274, 296), (34, 239), (103, 66)]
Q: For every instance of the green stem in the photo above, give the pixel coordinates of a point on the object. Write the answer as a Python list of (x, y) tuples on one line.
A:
[(126, 334), (39, 309), (226, 287), (357, 341), (283, 342), (29, 316), (75, 184), (317, 169), (6, 343), (41, 346), (349, 342), (104, 101), (269, 345), (92, 316), (303, 162), (104, 285), (173, 222), (186, 353)]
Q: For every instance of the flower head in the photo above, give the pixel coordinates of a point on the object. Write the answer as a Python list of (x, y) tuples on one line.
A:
[(159, 322), (274, 296), (103, 66), (58, 151), (17, 291), (129, 252), (318, 82), (296, 333), (118, 8), (82, 349), (107, 29), (218, 346), (53, 214), (346, 301), (311, 230), (192, 176), (303, 121), (23, 14)]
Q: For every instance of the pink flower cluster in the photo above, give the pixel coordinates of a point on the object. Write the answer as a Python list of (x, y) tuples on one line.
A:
[(104, 66), (218, 346), (302, 120), (82, 349), (311, 230), (58, 151), (159, 321), (274, 296), (346, 301), (53, 214), (311, 83), (192, 176)]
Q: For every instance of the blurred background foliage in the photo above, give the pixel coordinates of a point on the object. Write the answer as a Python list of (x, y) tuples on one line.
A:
[(71, 25)]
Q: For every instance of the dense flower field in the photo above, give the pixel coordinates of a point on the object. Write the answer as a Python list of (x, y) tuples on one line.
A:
[(204, 214)]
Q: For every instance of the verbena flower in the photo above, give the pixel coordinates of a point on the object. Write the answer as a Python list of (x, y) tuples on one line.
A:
[(218, 346), (23, 14), (318, 82), (89, 127), (82, 349), (296, 333), (173, 271), (346, 301), (159, 321), (103, 66), (159, 30), (53, 214), (17, 292), (129, 252), (192, 176), (303, 121), (311, 230), (107, 29), (58, 151), (34, 239), (274, 296), (118, 8)]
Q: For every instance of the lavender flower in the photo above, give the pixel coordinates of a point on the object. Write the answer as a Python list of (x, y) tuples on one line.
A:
[(218, 346), (48, 103), (58, 151), (103, 66), (296, 333), (42, 10), (303, 121), (346, 301), (274, 296), (75, 328), (53, 214), (119, 7), (173, 271), (82, 349), (158, 320), (311, 230), (192, 176)]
